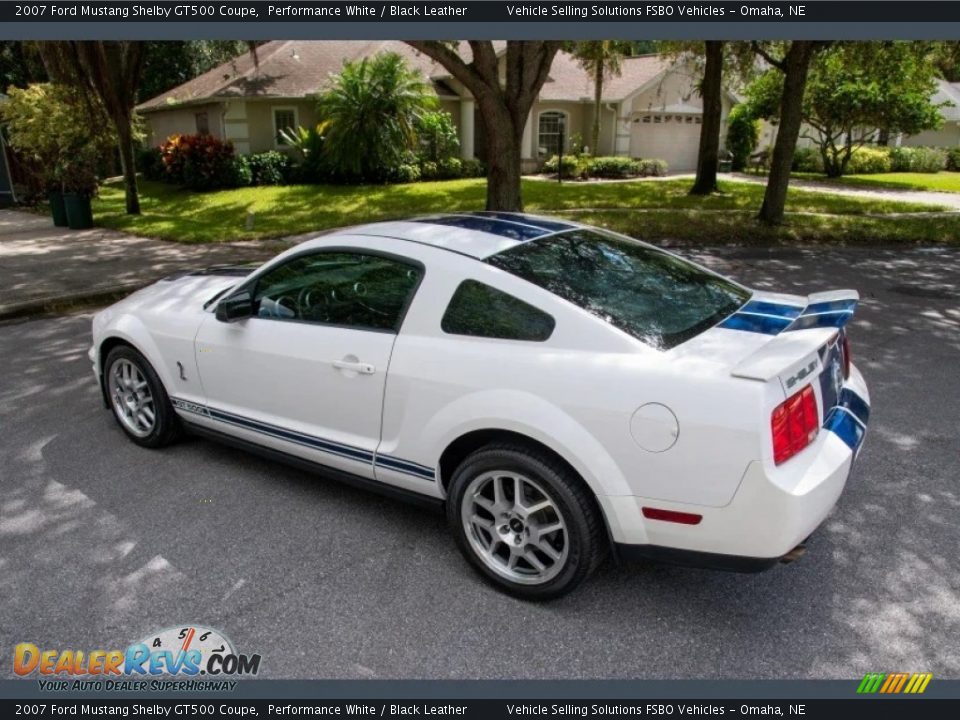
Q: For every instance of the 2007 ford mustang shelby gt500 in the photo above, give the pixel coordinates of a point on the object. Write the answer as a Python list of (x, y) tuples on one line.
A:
[(563, 390)]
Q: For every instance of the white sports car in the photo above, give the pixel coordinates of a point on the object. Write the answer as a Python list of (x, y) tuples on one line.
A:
[(564, 391)]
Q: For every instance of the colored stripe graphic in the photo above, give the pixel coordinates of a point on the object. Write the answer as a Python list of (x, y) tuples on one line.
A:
[(770, 318), (894, 683), (407, 467)]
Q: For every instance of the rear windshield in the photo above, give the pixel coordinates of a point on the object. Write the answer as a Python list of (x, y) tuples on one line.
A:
[(655, 297)]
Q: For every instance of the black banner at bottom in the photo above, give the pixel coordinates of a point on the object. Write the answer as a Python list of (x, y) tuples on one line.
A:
[(876, 708)]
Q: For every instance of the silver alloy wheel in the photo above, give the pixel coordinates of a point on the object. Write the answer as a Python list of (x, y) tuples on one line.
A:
[(131, 397), (515, 527)]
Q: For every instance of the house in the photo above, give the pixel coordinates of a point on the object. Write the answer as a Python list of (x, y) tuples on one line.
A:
[(947, 96), (651, 110)]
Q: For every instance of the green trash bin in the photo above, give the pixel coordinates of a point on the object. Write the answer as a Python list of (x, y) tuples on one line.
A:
[(79, 211), (58, 209)]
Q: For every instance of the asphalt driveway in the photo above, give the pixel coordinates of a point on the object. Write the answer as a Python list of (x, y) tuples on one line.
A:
[(102, 542)]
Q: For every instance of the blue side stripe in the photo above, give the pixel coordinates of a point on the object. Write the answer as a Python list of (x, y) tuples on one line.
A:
[(348, 452), (406, 467), (494, 226), (756, 323), (769, 308), (550, 225)]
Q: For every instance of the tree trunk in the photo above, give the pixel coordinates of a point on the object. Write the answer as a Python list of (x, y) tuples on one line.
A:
[(128, 166), (503, 138), (708, 155), (883, 137), (597, 102), (796, 66)]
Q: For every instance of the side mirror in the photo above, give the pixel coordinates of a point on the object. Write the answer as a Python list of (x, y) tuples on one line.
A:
[(235, 307)]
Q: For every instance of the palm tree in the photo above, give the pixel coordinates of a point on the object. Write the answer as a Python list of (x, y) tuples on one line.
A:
[(108, 72), (371, 114), (602, 59)]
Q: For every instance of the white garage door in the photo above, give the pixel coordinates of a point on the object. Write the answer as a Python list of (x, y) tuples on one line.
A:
[(674, 138)]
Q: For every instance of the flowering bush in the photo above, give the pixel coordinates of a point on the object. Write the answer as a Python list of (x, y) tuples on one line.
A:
[(199, 162)]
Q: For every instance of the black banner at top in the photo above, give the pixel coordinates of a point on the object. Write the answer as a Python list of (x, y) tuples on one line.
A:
[(379, 11)]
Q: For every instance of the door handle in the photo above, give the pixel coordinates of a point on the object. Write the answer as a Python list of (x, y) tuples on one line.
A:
[(355, 366)]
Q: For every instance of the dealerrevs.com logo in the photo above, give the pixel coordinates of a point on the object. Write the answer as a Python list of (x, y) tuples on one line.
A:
[(154, 663)]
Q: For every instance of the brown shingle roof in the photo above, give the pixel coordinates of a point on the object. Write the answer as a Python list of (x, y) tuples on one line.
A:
[(568, 81), (298, 68)]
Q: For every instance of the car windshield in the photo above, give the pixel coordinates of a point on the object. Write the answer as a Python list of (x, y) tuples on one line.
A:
[(655, 297)]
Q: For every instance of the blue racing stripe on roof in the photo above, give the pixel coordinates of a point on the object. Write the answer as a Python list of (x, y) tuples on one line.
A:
[(551, 225), (764, 324), (494, 226)]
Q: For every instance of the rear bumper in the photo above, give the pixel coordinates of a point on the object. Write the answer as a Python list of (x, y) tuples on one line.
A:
[(773, 510)]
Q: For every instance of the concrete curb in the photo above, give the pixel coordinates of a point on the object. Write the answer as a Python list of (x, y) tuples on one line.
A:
[(56, 304)]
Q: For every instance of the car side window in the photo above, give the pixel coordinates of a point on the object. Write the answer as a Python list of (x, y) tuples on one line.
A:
[(349, 289), (482, 311)]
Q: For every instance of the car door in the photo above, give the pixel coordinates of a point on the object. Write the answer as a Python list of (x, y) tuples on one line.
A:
[(305, 373)]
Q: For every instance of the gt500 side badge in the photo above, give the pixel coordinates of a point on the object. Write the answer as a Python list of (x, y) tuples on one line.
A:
[(801, 374)]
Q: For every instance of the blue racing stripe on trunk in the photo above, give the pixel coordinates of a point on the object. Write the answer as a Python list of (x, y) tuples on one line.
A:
[(764, 307), (764, 324)]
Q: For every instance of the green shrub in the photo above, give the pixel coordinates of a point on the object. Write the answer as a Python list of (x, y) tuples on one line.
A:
[(406, 173), (241, 172), (308, 144), (429, 170), (473, 167), (613, 167), (918, 159), (573, 166), (199, 162), (438, 136), (869, 161), (953, 159), (150, 162), (450, 168), (743, 134), (269, 168), (807, 159), (653, 167)]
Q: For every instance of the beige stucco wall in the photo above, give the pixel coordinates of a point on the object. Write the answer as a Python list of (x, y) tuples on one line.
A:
[(946, 136), (181, 121)]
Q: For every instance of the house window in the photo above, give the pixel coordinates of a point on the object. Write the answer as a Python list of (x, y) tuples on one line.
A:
[(283, 119), (552, 129), (657, 119), (203, 123), (646, 118)]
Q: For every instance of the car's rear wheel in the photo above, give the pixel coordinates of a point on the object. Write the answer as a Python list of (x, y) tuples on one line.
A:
[(525, 521), (138, 399)]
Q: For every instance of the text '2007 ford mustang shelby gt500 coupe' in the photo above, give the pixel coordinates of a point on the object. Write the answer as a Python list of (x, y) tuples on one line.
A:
[(563, 390)]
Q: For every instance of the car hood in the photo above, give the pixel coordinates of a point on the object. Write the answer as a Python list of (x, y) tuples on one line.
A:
[(186, 292)]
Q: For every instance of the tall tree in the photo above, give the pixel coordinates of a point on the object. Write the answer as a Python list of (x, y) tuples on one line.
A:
[(169, 63), (854, 90), (600, 58), (504, 106), (794, 63), (108, 71), (19, 66), (711, 90)]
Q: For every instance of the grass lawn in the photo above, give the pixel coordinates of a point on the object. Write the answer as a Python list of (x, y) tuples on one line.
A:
[(658, 211), (941, 181)]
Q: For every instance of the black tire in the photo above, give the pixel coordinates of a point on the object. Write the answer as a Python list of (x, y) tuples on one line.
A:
[(573, 501), (166, 425)]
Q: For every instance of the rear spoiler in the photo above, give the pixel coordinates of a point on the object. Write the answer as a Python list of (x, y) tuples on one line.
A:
[(794, 351)]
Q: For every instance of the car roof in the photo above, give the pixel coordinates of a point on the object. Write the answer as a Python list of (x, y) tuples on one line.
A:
[(475, 234)]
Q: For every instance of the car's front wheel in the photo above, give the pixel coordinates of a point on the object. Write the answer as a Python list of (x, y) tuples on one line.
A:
[(525, 521), (138, 399)]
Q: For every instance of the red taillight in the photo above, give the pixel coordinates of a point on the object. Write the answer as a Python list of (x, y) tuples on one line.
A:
[(672, 516), (845, 349), (795, 424)]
